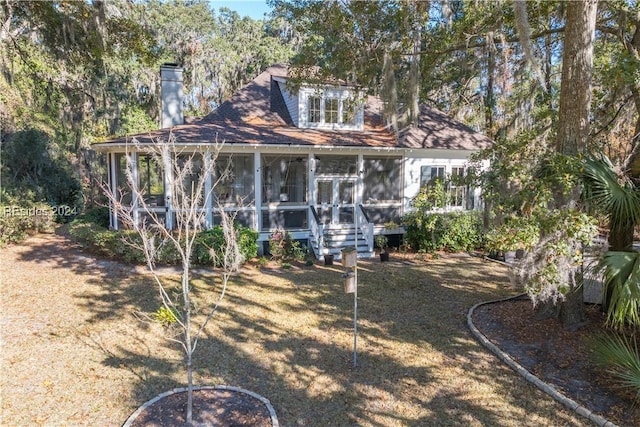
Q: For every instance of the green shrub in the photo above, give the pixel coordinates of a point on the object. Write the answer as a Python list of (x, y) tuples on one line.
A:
[(98, 216), (214, 239), (125, 244), (17, 222), (451, 231), (282, 246)]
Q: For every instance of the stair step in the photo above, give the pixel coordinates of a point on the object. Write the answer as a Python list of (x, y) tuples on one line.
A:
[(341, 238)]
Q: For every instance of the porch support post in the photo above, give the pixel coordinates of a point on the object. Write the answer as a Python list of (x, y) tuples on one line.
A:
[(257, 191), (312, 179), (359, 193), (359, 179), (135, 191), (208, 190), (168, 197), (113, 187)]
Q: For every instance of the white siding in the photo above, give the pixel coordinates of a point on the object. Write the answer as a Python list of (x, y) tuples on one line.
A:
[(292, 103), (415, 160)]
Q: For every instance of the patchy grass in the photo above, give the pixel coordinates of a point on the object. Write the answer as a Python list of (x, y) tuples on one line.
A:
[(76, 352)]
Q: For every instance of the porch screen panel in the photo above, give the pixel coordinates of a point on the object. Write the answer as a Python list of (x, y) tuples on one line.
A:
[(122, 184), (233, 179), (151, 179), (283, 218), (244, 218), (192, 167), (383, 215), (335, 165), (382, 180), (284, 179)]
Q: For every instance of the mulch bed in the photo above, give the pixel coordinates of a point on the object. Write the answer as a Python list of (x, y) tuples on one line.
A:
[(558, 356), (210, 408)]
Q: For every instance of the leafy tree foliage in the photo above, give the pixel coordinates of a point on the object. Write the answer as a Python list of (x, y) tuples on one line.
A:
[(498, 67), (77, 72)]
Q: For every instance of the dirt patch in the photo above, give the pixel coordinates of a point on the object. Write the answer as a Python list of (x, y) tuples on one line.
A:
[(210, 408), (558, 356)]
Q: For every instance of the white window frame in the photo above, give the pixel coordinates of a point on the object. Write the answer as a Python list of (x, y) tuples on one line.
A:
[(453, 189), (424, 182), (311, 112), (329, 111), (343, 96)]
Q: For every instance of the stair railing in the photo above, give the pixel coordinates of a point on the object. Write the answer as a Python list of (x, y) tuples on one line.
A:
[(365, 226), (317, 231)]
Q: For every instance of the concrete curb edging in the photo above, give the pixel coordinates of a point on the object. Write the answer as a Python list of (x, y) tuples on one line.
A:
[(264, 400), (522, 371)]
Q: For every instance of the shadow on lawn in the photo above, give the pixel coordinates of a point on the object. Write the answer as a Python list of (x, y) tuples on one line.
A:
[(421, 305), (305, 369)]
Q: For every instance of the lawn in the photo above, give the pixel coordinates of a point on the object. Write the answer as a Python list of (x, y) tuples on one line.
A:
[(76, 352)]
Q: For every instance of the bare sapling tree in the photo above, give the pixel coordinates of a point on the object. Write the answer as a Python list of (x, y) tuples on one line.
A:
[(190, 180)]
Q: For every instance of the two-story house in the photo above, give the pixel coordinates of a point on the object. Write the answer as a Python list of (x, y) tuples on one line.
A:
[(315, 160)]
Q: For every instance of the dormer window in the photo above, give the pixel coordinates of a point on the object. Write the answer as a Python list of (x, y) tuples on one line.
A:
[(331, 108)]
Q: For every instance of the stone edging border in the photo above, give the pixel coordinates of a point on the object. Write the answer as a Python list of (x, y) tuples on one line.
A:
[(545, 387), (264, 400)]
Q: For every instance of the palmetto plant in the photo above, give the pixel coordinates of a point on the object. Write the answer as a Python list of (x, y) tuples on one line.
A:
[(615, 196), (618, 354), (621, 272), (619, 200)]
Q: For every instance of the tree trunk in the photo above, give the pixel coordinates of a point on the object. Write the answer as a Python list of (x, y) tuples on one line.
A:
[(187, 341), (573, 124), (572, 309), (489, 103)]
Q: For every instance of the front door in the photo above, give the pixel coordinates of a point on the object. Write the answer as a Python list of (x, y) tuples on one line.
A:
[(335, 200)]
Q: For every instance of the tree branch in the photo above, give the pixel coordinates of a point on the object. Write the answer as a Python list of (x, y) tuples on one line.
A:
[(506, 40)]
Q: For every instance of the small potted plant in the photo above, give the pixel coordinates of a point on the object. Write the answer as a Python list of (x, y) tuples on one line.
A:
[(327, 239), (382, 242)]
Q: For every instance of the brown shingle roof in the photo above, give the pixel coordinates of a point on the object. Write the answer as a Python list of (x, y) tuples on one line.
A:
[(437, 130), (257, 114)]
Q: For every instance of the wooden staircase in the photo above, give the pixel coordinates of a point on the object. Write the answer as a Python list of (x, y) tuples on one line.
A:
[(338, 238)]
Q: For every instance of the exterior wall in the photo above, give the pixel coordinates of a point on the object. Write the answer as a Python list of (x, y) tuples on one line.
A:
[(291, 102), (416, 159)]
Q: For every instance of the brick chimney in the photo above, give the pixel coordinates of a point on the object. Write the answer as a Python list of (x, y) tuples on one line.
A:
[(172, 95)]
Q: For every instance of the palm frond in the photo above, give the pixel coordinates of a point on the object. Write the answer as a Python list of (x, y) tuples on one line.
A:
[(617, 198), (619, 355), (621, 271)]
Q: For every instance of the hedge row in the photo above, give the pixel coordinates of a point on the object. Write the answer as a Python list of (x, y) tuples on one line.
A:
[(125, 244)]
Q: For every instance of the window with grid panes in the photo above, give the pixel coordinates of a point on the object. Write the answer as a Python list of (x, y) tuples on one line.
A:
[(314, 109), (331, 110), (429, 173), (457, 189)]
